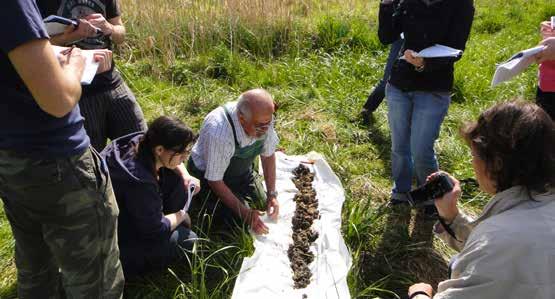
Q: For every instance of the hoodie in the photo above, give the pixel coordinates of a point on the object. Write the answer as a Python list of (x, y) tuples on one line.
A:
[(142, 228)]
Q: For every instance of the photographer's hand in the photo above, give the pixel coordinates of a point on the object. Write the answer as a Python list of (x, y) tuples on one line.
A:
[(447, 205)]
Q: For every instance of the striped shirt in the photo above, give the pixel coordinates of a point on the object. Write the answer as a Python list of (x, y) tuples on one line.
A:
[(215, 146)]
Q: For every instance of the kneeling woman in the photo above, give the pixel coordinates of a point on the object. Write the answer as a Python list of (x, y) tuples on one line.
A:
[(151, 193)]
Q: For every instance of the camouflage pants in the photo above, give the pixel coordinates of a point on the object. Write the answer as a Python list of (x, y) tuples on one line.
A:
[(63, 217)]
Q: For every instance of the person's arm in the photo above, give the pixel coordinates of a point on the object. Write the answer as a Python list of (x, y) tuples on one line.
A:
[(458, 222), (389, 30), (55, 85), (74, 34), (188, 179), (112, 27), (118, 31), (488, 267), (549, 52), (144, 205), (269, 169), (459, 33), (177, 218), (250, 216)]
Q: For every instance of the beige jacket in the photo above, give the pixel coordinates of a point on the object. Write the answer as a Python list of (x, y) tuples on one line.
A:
[(508, 252)]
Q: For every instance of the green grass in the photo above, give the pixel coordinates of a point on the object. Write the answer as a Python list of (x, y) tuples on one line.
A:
[(319, 61)]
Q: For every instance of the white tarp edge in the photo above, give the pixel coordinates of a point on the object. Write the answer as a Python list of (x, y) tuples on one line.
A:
[(267, 273)]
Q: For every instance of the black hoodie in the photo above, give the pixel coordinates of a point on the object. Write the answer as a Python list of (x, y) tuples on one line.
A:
[(142, 228), (444, 22)]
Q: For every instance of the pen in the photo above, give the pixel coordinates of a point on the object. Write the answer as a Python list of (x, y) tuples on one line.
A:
[(68, 50)]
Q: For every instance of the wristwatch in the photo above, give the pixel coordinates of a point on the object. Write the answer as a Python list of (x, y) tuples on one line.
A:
[(273, 193)]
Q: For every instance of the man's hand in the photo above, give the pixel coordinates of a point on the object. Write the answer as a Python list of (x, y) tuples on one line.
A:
[(447, 205), (549, 52), (410, 57), (272, 207), (252, 217), (104, 59), (99, 21), (421, 287)]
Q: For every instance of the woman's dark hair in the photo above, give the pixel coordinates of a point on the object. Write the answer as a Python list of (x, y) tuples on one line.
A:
[(169, 132), (516, 140)]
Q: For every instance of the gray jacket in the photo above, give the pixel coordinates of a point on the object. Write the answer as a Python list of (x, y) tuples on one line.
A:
[(507, 252)]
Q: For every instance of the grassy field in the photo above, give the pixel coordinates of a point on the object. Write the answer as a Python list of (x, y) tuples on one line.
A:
[(319, 59)]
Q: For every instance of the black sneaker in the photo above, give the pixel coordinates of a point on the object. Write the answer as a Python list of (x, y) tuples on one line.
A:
[(398, 199), (366, 116)]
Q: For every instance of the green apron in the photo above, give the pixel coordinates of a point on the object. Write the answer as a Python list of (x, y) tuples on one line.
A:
[(239, 176)]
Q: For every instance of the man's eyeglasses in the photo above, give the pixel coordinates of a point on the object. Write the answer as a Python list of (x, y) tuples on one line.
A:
[(264, 126)]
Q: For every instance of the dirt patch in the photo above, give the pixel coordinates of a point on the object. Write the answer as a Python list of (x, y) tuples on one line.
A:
[(306, 212)]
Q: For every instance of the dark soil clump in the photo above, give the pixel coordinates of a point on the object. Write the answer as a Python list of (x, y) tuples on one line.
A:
[(306, 212)]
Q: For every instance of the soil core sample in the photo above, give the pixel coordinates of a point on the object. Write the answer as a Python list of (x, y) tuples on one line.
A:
[(306, 212)]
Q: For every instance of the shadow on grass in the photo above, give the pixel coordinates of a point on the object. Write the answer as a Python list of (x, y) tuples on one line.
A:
[(404, 254), (9, 292)]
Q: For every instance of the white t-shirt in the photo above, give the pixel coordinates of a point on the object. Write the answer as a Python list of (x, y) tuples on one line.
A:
[(215, 146)]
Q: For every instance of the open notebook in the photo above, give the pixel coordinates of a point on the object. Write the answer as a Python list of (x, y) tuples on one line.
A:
[(91, 66), (438, 51)]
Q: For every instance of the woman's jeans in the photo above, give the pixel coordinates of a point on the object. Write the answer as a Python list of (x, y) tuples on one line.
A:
[(415, 119)]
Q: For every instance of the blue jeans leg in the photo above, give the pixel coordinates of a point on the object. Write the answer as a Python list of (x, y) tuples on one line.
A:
[(400, 110), (429, 110)]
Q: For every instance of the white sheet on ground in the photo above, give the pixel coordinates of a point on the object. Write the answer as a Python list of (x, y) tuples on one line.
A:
[(267, 273)]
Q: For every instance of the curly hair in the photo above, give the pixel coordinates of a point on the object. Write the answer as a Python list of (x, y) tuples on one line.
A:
[(516, 140)]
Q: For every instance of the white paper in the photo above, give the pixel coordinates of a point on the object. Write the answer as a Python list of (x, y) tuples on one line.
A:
[(437, 51), (190, 192), (55, 24), (91, 66), (515, 65), (54, 28), (267, 273)]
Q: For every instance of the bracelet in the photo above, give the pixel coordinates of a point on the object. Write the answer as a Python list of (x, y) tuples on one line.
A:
[(419, 68), (272, 194), (418, 293)]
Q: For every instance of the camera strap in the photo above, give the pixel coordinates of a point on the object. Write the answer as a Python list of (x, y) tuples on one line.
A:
[(447, 228)]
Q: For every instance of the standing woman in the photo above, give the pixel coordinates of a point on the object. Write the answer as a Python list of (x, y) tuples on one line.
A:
[(151, 195), (419, 90), (107, 104)]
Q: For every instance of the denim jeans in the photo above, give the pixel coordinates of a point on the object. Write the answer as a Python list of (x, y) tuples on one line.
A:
[(376, 97), (415, 119)]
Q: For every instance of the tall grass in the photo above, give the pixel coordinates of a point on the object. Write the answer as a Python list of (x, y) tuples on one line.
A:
[(171, 29)]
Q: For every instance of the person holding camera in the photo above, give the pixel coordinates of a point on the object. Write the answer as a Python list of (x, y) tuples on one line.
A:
[(56, 193), (419, 89), (508, 250), (107, 104)]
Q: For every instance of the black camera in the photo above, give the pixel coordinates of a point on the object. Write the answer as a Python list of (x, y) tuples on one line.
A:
[(436, 187)]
